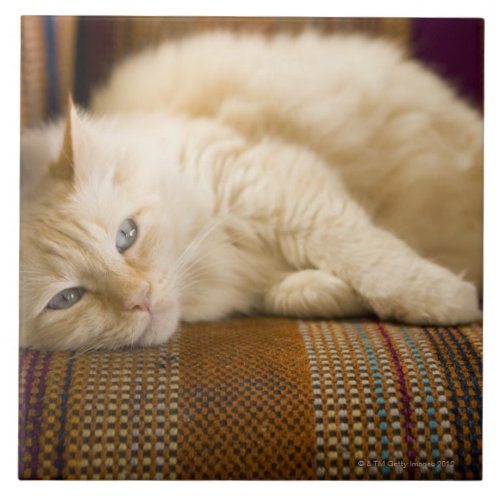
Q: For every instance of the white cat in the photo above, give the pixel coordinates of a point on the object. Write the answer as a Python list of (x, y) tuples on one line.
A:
[(305, 176)]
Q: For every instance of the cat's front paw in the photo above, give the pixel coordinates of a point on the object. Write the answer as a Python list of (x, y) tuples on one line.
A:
[(449, 303), (433, 296)]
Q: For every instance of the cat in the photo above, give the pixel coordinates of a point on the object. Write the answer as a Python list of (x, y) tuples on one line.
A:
[(306, 176)]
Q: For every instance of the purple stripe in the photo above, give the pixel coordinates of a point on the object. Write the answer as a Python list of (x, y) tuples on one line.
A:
[(37, 418), (408, 426), (23, 403), (60, 449)]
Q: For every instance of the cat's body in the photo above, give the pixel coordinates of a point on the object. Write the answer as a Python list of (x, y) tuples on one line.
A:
[(281, 177)]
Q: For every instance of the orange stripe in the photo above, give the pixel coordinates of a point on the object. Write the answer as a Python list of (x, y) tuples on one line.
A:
[(66, 48), (33, 74)]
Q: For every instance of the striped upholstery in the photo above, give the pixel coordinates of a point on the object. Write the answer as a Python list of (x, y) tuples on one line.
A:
[(260, 398), (61, 53), (47, 66), (253, 398)]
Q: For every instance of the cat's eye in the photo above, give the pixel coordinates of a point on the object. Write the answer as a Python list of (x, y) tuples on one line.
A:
[(126, 235), (66, 298)]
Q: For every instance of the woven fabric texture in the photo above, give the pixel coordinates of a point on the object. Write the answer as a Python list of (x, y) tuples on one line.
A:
[(259, 398)]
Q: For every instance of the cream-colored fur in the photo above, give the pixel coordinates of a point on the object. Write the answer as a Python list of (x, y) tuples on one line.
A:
[(304, 176)]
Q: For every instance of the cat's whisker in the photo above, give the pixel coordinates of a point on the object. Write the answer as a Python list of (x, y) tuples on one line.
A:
[(197, 241), (183, 264), (186, 265)]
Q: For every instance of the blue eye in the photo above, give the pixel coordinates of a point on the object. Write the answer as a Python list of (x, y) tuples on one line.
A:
[(126, 235), (66, 298)]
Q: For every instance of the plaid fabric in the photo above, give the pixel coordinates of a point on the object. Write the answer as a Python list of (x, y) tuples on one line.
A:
[(259, 398)]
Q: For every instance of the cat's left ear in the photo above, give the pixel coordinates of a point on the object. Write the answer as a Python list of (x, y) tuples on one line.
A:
[(63, 168)]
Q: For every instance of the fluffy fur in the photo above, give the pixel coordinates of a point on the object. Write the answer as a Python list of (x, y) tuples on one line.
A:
[(306, 176)]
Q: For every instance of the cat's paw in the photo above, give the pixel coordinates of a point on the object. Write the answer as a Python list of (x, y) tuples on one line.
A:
[(432, 296), (314, 293), (450, 303)]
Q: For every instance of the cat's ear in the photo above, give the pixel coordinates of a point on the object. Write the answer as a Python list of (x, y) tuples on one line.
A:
[(63, 168)]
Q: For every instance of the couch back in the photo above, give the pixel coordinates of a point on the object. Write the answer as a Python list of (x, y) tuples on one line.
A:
[(67, 53)]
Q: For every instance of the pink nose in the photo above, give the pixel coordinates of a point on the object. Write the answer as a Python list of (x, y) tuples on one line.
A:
[(140, 299)]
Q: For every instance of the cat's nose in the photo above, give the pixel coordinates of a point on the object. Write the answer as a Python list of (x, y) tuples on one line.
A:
[(140, 299)]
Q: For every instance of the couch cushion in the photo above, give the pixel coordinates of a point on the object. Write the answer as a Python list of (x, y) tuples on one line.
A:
[(259, 398)]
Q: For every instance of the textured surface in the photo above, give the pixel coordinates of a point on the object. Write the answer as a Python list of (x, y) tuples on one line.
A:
[(259, 399)]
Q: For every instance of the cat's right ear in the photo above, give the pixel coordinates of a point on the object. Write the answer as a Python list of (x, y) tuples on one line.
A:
[(63, 168)]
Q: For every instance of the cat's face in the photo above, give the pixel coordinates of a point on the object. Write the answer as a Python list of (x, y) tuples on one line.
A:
[(94, 261)]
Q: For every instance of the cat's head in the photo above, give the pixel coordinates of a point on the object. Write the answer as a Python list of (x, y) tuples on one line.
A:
[(95, 266)]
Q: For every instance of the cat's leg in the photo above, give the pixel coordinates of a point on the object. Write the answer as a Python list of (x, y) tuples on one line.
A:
[(393, 279), (313, 292), (313, 222)]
